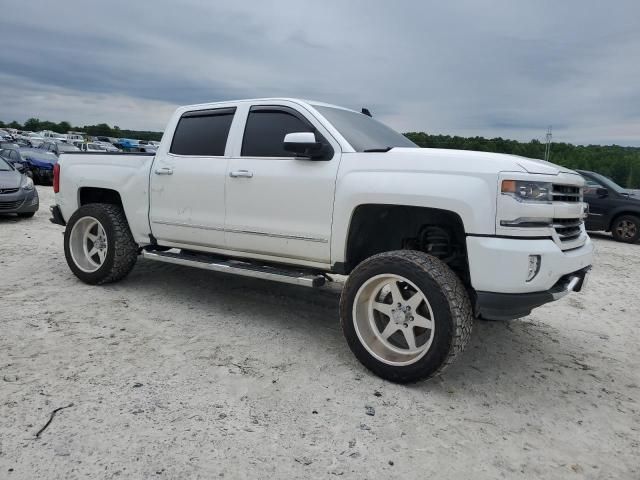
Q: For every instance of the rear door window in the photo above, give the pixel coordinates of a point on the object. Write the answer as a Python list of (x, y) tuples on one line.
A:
[(203, 132)]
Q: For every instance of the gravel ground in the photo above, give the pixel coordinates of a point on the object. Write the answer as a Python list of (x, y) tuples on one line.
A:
[(181, 373)]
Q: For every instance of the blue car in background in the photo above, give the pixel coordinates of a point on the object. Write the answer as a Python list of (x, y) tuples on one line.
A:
[(39, 163)]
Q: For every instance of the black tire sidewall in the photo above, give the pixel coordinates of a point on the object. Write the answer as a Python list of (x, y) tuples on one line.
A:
[(631, 218), (431, 362), (100, 214)]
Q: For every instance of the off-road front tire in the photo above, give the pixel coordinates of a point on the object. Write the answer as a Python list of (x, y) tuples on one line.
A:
[(98, 244), (412, 331), (626, 228)]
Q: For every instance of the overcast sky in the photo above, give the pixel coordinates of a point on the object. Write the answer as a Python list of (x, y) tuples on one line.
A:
[(491, 68)]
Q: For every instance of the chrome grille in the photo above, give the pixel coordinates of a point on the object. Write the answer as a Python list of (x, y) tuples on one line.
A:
[(567, 193), (8, 190), (567, 228)]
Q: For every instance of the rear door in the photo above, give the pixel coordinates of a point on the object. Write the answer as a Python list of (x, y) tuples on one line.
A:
[(279, 205), (188, 181)]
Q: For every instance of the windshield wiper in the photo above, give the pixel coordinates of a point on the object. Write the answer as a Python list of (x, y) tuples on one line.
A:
[(381, 149)]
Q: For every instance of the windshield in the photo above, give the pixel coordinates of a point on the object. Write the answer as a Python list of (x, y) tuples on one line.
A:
[(608, 183), (363, 132), (67, 148), (4, 165)]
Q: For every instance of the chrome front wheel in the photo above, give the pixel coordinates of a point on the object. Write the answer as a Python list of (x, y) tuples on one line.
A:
[(393, 319), (405, 315)]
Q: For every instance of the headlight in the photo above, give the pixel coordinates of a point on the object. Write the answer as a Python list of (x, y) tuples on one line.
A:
[(27, 184), (525, 191)]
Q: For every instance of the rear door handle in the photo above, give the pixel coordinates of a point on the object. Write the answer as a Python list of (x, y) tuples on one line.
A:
[(241, 174), (164, 171)]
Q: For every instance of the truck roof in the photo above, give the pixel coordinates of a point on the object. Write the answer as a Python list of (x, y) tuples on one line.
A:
[(274, 99)]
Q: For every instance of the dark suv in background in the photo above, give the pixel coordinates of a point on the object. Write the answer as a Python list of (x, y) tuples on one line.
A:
[(611, 208)]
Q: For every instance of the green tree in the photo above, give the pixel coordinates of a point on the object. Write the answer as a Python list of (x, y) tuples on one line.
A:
[(33, 124)]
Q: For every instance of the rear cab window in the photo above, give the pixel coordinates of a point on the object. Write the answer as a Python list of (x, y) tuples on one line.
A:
[(203, 132)]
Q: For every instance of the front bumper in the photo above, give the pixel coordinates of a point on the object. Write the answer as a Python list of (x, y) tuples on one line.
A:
[(508, 306), (499, 264), (20, 202)]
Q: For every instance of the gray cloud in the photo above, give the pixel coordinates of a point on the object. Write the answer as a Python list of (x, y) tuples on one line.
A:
[(496, 68)]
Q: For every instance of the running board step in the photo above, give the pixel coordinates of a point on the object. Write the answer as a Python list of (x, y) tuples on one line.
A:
[(236, 267)]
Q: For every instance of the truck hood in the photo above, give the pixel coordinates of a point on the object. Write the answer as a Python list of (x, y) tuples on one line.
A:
[(487, 161)]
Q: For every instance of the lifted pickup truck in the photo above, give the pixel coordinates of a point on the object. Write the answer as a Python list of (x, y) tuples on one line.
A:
[(293, 191)]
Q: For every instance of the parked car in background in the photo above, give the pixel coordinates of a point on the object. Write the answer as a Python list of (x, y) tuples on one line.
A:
[(110, 140), (611, 208), (92, 147), (38, 163), (21, 167), (128, 145), (17, 192), (11, 153), (58, 147), (73, 137), (147, 148), (51, 135), (109, 147), (33, 138)]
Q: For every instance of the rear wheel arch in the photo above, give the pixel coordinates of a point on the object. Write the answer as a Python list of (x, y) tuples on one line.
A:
[(88, 195)]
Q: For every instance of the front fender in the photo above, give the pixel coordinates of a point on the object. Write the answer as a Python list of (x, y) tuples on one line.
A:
[(472, 198)]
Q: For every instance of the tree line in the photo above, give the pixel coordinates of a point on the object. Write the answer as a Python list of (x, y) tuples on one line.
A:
[(622, 164), (101, 129)]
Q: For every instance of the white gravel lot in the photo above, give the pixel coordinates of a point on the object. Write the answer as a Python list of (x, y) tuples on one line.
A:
[(181, 373)]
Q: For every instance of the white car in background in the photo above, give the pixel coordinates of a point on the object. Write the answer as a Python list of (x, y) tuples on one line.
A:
[(33, 138), (73, 137), (106, 146), (53, 136), (92, 147)]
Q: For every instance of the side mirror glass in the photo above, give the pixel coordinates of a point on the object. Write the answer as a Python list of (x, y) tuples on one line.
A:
[(602, 192), (304, 144)]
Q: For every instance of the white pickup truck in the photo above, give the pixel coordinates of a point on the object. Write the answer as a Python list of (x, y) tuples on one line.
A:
[(295, 191)]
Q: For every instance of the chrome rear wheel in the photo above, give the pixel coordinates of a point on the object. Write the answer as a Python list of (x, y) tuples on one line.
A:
[(88, 244)]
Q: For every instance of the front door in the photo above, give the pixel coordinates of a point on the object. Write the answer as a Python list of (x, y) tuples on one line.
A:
[(279, 205), (188, 181), (598, 206)]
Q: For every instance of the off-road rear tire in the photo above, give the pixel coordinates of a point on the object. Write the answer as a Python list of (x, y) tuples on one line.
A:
[(396, 357), (120, 250)]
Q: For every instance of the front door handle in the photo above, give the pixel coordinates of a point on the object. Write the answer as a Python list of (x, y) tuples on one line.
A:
[(241, 174), (164, 171)]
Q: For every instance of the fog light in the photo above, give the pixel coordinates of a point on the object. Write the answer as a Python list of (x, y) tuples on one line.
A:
[(534, 267)]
